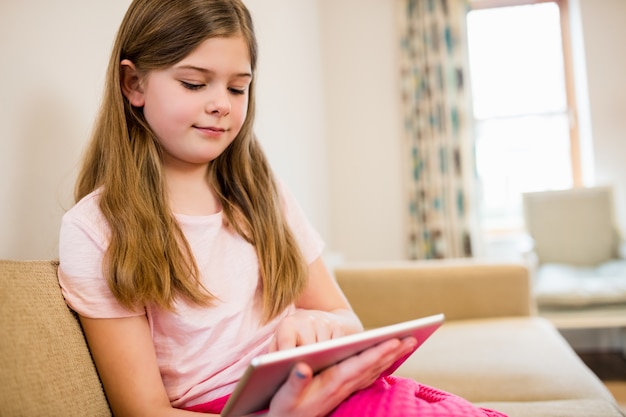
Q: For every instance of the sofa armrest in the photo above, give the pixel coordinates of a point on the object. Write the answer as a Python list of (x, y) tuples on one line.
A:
[(46, 368), (384, 293)]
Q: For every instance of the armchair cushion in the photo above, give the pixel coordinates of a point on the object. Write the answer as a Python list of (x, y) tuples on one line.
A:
[(560, 285)]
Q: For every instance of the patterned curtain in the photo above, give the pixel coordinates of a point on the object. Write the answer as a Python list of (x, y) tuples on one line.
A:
[(437, 128)]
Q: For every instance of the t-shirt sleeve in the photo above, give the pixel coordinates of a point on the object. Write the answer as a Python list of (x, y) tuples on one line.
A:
[(308, 239), (82, 243)]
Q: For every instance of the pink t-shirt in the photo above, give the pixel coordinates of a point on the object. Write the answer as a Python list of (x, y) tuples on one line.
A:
[(201, 352)]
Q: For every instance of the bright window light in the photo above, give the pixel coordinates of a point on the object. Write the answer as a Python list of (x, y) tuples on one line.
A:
[(520, 108)]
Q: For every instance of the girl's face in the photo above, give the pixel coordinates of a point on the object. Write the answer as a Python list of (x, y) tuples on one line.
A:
[(196, 108)]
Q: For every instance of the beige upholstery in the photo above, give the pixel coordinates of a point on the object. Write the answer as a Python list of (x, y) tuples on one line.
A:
[(490, 349), (45, 365), (511, 359), (461, 289), (561, 408)]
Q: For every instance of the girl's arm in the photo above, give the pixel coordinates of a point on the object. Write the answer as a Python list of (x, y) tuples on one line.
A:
[(323, 313), (126, 361)]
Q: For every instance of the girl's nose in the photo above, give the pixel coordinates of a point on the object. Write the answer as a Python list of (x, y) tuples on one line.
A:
[(219, 102)]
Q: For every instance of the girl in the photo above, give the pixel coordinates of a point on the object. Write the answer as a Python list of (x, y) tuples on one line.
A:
[(184, 257)]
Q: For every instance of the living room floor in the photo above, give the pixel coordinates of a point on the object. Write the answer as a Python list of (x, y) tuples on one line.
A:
[(611, 369)]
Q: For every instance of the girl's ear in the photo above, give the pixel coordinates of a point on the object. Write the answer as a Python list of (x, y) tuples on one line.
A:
[(131, 83)]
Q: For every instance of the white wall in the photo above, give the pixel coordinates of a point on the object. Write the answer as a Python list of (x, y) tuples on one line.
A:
[(54, 55), (604, 33), (54, 59), (291, 122), (362, 108)]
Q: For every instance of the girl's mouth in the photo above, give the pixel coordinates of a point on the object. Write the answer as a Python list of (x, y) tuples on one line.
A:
[(211, 131)]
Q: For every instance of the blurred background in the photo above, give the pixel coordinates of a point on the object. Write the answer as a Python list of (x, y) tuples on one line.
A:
[(331, 116)]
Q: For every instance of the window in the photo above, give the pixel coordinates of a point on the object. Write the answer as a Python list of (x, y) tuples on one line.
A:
[(526, 138)]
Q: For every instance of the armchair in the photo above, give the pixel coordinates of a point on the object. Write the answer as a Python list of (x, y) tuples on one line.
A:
[(579, 275)]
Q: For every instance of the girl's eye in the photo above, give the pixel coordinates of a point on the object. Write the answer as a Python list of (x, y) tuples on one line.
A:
[(191, 86), (237, 91)]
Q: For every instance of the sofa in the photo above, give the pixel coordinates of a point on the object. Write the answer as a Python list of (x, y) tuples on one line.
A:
[(492, 350)]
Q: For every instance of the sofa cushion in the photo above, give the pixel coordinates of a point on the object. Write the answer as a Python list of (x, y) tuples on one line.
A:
[(45, 365), (508, 359), (569, 408)]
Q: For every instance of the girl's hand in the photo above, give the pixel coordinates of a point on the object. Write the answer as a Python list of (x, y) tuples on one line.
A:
[(310, 326), (305, 395)]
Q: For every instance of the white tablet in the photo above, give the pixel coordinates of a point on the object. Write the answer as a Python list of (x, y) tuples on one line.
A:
[(266, 373)]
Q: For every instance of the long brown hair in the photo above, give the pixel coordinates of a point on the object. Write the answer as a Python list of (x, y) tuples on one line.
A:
[(148, 261)]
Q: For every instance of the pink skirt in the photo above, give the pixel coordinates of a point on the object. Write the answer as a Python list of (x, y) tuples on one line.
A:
[(391, 396)]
